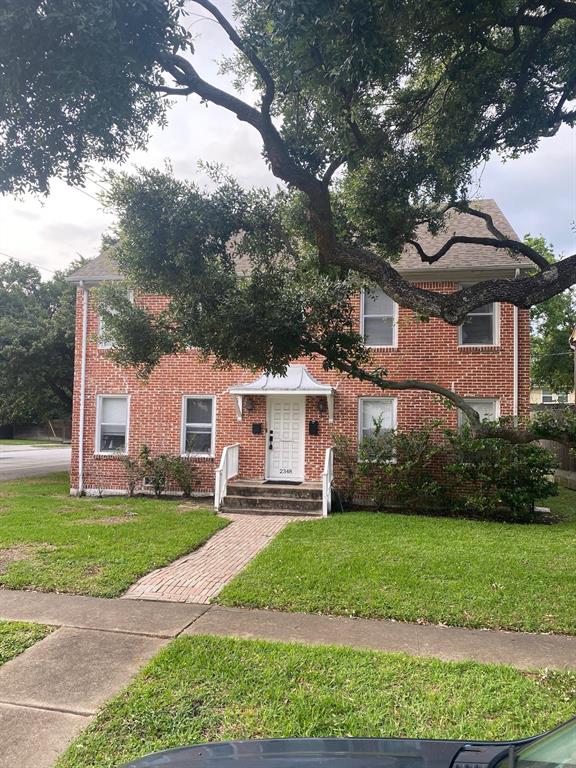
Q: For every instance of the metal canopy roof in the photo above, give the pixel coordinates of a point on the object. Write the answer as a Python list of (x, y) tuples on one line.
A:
[(296, 381)]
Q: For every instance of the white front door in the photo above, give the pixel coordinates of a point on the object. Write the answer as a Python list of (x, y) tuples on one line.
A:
[(285, 438)]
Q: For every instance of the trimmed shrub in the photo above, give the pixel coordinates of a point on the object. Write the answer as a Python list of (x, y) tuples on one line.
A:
[(496, 479), (183, 471), (346, 471), (402, 468), (155, 470)]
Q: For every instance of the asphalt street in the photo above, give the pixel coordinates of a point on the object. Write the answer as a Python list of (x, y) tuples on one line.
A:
[(25, 461)]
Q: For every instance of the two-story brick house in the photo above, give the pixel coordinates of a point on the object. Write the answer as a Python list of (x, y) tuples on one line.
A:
[(266, 428)]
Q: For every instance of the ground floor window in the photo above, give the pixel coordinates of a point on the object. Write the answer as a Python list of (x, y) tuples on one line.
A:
[(374, 411), (112, 424), (198, 426), (488, 409)]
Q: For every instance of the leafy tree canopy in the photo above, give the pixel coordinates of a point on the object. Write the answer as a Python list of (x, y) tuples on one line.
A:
[(552, 324), (36, 344), (374, 116)]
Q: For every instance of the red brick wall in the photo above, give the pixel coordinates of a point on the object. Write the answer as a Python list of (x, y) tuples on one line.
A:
[(426, 351)]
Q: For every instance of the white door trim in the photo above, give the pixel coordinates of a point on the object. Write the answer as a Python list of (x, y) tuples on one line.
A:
[(269, 474)]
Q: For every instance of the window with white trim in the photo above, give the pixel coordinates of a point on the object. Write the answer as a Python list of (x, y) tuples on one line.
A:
[(479, 327), (488, 408), (112, 424), (554, 397), (198, 426), (379, 318), (107, 343), (374, 411)]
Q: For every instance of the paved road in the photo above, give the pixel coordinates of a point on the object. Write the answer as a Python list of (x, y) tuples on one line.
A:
[(23, 461)]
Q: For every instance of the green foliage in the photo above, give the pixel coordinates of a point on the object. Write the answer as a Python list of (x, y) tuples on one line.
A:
[(158, 471), (496, 479), (73, 83), (37, 327), (178, 240), (155, 470), (347, 476), (552, 365), (183, 471), (447, 472), (557, 424), (399, 467), (132, 472)]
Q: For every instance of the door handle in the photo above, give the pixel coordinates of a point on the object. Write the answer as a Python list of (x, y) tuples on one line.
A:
[(270, 439)]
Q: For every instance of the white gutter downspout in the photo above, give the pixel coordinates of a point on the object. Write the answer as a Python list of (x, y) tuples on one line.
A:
[(82, 389), (516, 363)]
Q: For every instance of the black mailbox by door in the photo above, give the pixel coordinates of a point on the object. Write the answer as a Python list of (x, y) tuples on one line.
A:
[(313, 428)]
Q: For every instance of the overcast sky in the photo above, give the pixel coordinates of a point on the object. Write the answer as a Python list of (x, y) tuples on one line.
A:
[(537, 192)]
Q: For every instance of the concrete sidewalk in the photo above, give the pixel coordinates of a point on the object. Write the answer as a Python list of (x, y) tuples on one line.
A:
[(51, 692)]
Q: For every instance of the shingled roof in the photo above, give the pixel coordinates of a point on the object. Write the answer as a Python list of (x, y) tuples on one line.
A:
[(462, 257)]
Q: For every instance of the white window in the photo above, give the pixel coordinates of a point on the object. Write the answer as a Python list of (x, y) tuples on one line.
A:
[(373, 411), (552, 397), (112, 424), (103, 342), (198, 419), (479, 327), (379, 315), (488, 408)]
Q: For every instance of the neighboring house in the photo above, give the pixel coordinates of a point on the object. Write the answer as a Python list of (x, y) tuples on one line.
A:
[(280, 428), (547, 397)]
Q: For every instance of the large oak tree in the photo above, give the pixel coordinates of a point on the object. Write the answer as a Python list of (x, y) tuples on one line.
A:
[(372, 114)]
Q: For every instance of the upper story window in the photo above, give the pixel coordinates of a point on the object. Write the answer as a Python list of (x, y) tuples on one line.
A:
[(103, 341), (479, 327), (198, 421), (112, 424), (379, 314), (488, 408), (375, 411)]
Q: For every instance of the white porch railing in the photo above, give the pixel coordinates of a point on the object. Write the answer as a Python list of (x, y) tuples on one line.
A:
[(327, 478), (228, 469)]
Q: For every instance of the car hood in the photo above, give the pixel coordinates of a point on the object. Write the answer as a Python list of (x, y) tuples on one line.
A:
[(316, 753)]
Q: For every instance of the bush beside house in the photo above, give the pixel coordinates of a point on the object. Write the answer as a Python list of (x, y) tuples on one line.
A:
[(444, 472)]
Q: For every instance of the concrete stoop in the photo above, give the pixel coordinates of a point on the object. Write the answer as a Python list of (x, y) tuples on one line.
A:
[(259, 498)]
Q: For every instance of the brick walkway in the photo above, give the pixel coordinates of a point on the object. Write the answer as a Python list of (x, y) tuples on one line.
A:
[(199, 576)]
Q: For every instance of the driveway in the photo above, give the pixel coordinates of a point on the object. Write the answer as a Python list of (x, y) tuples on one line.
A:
[(24, 461)]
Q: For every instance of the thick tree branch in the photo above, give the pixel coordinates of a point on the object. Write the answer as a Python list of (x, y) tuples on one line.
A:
[(247, 50), (453, 308), (492, 242)]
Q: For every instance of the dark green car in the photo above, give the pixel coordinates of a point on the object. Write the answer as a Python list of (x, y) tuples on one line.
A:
[(555, 749)]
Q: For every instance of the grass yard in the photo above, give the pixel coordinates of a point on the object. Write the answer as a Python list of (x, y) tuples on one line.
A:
[(16, 636), (52, 542), (413, 568), (210, 689)]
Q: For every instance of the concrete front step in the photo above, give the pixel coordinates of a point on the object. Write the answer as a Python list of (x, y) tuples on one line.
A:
[(271, 511), (272, 490), (273, 504)]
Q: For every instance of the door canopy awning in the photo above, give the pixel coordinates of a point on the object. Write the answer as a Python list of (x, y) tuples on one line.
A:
[(296, 381)]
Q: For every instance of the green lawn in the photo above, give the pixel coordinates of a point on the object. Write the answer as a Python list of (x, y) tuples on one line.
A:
[(211, 689), (52, 542), (16, 636), (412, 568)]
